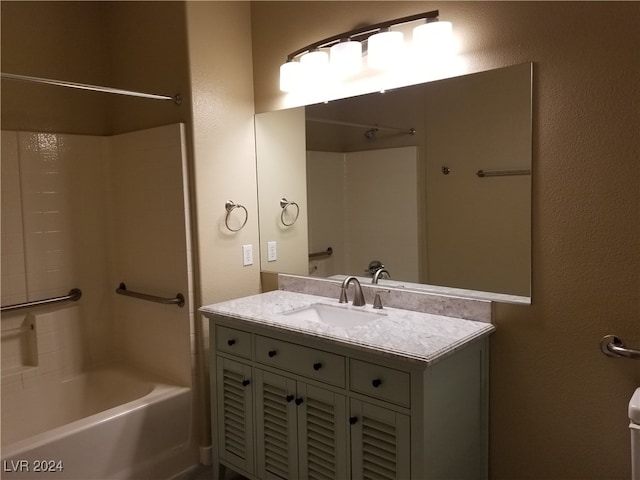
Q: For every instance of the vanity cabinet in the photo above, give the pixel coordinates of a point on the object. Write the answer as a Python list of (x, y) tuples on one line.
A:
[(294, 406)]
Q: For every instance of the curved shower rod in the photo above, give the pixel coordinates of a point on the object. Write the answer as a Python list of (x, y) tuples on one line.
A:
[(177, 99)]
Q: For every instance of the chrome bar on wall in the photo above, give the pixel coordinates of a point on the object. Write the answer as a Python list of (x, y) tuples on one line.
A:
[(612, 346), (177, 300), (502, 173), (327, 253), (177, 99), (73, 296), (410, 131)]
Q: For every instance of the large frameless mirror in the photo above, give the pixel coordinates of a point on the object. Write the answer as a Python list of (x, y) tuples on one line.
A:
[(431, 182)]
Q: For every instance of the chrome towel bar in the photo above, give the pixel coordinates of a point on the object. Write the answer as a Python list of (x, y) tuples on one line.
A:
[(612, 346), (73, 296), (327, 253), (501, 173), (177, 300)]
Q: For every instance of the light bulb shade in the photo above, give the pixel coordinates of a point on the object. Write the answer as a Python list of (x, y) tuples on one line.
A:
[(434, 38), (291, 76), (315, 60), (346, 58), (384, 49)]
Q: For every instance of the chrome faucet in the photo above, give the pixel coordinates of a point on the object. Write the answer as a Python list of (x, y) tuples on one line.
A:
[(358, 297), (376, 276)]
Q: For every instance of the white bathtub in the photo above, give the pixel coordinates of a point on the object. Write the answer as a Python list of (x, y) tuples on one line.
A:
[(106, 424)]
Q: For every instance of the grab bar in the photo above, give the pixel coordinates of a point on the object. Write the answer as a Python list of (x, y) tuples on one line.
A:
[(178, 300), (502, 173), (327, 253), (73, 296), (612, 346), (18, 330)]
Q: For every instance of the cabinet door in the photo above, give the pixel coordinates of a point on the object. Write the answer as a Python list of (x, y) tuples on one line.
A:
[(235, 413), (322, 433), (380, 443), (276, 426)]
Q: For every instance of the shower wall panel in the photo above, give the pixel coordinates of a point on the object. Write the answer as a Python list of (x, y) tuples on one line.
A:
[(151, 249)]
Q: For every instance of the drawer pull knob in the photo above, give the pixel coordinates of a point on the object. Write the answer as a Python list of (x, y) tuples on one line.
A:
[(245, 382), (289, 398), (376, 382), (271, 353), (231, 342), (353, 420), (299, 400), (317, 366)]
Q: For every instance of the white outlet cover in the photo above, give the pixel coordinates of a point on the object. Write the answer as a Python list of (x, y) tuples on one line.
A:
[(272, 251), (247, 255)]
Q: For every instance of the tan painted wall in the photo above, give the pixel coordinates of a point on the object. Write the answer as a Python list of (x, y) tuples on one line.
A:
[(223, 146), (558, 405), (138, 46)]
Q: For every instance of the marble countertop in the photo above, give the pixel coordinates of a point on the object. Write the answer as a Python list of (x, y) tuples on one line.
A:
[(407, 335)]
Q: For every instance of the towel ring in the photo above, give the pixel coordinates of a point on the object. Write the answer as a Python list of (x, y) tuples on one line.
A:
[(284, 204), (230, 207)]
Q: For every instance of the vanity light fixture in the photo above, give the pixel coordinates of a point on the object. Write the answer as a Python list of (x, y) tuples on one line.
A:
[(339, 57)]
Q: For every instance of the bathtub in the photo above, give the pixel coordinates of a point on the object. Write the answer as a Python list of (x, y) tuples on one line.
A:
[(112, 423)]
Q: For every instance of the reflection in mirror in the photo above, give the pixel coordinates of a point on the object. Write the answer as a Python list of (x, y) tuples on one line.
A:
[(432, 181)]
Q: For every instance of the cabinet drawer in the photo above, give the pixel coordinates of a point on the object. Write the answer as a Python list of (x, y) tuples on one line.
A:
[(233, 341), (380, 382), (314, 364)]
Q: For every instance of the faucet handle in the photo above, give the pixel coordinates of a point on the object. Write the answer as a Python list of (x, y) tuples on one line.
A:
[(377, 301)]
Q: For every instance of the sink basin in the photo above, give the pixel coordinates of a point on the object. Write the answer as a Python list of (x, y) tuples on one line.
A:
[(334, 315)]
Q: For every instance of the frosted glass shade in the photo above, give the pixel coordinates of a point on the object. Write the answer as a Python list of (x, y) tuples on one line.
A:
[(315, 60), (434, 38), (291, 76), (384, 49), (346, 58)]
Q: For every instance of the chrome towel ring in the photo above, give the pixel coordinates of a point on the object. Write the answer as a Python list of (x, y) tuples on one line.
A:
[(284, 204), (230, 206)]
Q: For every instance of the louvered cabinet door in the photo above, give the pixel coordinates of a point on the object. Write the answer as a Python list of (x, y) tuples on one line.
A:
[(276, 426), (380, 443), (322, 434), (235, 413)]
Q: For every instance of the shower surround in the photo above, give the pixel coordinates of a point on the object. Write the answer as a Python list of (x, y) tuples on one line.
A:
[(90, 212)]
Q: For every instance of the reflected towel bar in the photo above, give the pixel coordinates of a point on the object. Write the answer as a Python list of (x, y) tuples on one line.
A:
[(178, 300), (73, 296), (502, 173), (612, 346), (327, 253)]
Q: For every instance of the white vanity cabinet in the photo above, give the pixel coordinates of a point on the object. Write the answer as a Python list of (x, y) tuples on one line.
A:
[(288, 405)]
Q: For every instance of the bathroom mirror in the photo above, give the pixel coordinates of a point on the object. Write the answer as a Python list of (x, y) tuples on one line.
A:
[(433, 181)]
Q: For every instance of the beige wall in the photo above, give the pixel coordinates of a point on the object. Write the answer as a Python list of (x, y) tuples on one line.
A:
[(558, 405), (139, 46), (223, 145)]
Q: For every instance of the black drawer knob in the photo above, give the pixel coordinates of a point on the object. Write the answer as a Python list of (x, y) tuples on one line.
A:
[(289, 398), (231, 342), (245, 382), (299, 400), (271, 353), (353, 420), (376, 382), (317, 366)]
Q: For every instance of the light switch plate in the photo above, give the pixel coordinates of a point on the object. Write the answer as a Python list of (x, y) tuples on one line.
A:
[(247, 255), (272, 251)]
